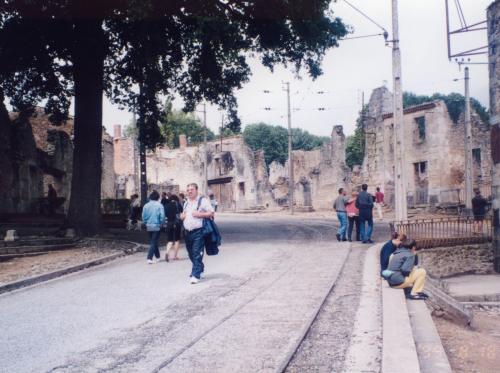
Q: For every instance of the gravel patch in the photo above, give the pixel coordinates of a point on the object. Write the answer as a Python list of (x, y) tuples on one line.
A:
[(325, 345), (25, 267)]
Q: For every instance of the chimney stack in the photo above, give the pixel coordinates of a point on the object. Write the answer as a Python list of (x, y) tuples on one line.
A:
[(117, 131), (182, 142)]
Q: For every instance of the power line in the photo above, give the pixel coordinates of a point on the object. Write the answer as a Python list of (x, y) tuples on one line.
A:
[(365, 15), (363, 36)]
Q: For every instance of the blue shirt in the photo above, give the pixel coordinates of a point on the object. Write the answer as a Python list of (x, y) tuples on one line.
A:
[(153, 215), (385, 254)]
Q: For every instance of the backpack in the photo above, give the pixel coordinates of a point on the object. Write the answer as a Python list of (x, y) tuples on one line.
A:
[(211, 234)]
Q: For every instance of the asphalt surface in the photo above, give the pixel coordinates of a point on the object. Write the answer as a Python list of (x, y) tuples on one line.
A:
[(249, 314)]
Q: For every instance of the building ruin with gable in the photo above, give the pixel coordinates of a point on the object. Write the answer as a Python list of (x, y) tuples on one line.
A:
[(434, 152)]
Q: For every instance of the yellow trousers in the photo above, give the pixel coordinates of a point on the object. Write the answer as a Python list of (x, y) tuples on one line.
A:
[(415, 279)]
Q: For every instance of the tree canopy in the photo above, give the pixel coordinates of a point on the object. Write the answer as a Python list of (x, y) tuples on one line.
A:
[(274, 141), (355, 144), (134, 51), (455, 103), (177, 122)]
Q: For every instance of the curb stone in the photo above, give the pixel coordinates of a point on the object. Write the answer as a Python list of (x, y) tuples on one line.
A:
[(431, 354), (364, 352), (10, 286)]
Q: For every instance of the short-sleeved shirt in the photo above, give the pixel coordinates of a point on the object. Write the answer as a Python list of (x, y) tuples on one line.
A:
[(190, 222), (340, 202)]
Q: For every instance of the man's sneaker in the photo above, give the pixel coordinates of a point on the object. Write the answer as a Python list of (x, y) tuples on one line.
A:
[(370, 241), (202, 275), (150, 261), (193, 280), (338, 237)]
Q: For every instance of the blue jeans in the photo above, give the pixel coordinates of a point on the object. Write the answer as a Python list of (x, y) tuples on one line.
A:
[(342, 216), (154, 237), (365, 234), (195, 246)]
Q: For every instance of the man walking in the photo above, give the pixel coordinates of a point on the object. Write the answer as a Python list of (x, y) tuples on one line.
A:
[(364, 203), (379, 201), (196, 208), (153, 215), (339, 206)]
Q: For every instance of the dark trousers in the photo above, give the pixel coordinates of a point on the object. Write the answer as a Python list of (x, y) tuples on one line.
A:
[(366, 232), (195, 246), (352, 221), (154, 237)]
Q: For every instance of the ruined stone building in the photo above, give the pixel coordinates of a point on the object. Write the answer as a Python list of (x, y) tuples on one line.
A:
[(34, 154), (236, 175), (318, 174), (434, 151)]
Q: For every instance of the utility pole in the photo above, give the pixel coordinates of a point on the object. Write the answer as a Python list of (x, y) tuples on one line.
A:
[(290, 160), (142, 153), (399, 159), (205, 150), (468, 147), (135, 153)]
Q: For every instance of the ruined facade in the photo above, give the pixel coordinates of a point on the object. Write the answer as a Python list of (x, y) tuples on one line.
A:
[(434, 151), (494, 71), (236, 175), (317, 173), (36, 153)]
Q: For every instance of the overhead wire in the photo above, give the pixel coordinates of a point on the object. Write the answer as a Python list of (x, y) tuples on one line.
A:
[(365, 15)]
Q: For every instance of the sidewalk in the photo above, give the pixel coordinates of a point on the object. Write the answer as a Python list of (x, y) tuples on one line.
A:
[(475, 288)]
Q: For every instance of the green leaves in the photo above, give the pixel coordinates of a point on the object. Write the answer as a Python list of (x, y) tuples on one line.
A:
[(274, 141), (455, 103), (177, 122)]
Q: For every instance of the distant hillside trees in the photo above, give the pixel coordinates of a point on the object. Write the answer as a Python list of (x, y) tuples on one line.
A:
[(274, 140)]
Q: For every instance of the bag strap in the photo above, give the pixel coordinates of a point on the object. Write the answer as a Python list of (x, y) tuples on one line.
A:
[(199, 203)]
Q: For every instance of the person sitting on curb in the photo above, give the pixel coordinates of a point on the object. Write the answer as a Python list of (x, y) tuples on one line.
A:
[(389, 248), (403, 273)]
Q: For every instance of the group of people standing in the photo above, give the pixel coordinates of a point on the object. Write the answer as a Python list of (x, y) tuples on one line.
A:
[(176, 215), (357, 211)]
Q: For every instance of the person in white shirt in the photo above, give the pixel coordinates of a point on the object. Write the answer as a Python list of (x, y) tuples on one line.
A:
[(193, 223)]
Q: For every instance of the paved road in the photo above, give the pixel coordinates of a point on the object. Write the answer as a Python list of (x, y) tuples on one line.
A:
[(248, 315)]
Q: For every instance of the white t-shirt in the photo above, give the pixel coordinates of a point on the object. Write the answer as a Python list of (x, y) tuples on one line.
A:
[(191, 223)]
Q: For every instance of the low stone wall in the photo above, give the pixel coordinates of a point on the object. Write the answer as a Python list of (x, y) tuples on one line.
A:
[(444, 262)]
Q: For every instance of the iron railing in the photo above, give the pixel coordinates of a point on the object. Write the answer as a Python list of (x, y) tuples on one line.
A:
[(445, 231)]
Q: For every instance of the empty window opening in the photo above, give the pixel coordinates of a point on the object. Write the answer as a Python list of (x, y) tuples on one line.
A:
[(476, 155), (420, 169), (421, 128)]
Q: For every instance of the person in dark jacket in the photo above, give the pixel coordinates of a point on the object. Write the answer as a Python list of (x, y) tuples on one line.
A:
[(389, 248), (364, 203), (479, 205), (403, 273), (173, 209)]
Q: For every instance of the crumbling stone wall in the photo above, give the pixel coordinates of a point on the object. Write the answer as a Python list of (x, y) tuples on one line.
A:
[(108, 170), (36, 154), (236, 175), (494, 72), (442, 262), (317, 174), (434, 151)]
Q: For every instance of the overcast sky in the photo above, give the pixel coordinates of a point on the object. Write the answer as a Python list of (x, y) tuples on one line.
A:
[(361, 65)]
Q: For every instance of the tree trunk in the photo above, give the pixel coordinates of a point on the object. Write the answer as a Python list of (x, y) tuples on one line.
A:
[(6, 170), (88, 63)]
